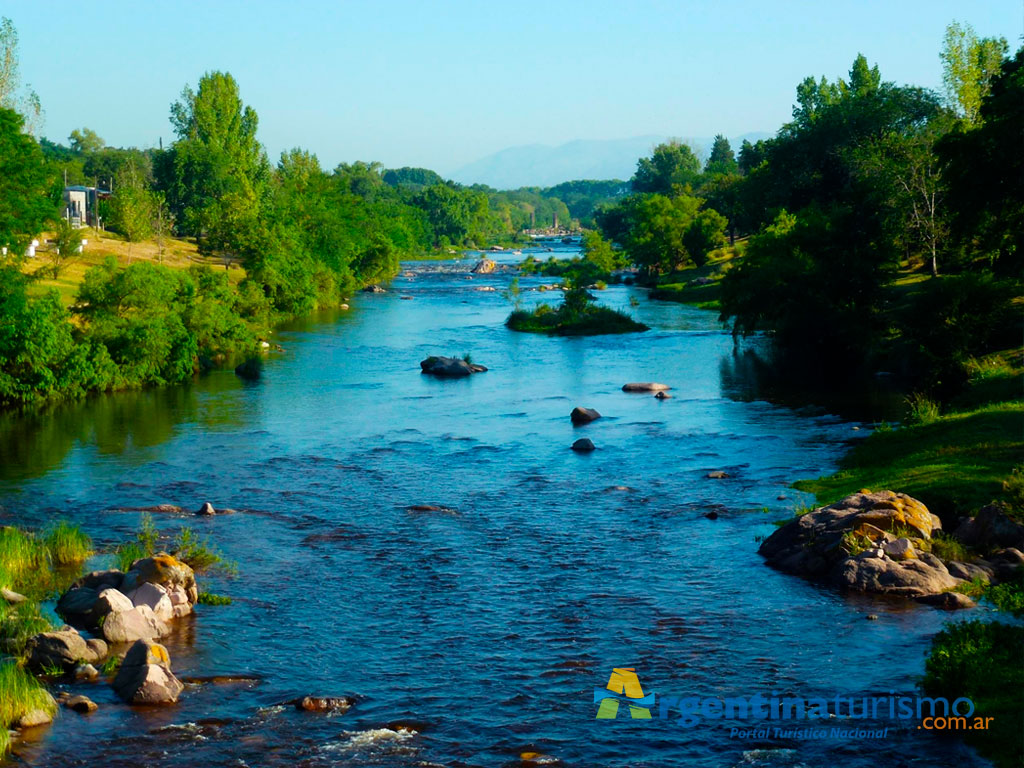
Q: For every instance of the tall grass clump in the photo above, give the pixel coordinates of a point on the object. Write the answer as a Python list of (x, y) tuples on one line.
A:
[(18, 623), (200, 555), (67, 544), (921, 409), (22, 557), (20, 693), (143, 545)]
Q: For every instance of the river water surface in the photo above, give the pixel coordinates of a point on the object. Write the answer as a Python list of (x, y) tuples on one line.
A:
[(472, 635)]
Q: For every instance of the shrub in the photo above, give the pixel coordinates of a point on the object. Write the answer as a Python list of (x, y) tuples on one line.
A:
[(200, 555), (208, 598), (21, 621), (981, 661)]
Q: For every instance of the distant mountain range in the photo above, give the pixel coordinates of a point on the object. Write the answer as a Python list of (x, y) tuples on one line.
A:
[(540, 165)]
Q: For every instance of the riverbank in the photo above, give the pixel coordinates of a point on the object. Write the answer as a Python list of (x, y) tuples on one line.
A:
[(959, 462)]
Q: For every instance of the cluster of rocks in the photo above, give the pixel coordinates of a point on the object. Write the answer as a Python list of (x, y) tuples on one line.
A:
[(145, 676), (137, 605), (880, 543), (449, 367)]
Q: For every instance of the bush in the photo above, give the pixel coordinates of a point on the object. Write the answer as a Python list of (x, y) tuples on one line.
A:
[(947, 548), (21, 621), (200, 555), (981, 661)]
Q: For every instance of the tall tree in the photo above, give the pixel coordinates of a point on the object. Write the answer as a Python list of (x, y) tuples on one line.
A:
[(85, 141), (217, 161), (667, 171), (132, 207), (12, 96), (25, 205), (722, 159), (968, 65), (985, 173)]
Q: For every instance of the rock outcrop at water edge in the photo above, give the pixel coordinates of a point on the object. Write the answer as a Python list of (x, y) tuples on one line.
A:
[(867, 542)]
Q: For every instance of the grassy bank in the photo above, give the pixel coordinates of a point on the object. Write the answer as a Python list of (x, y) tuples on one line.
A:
[(700, 285), (177, 253), (955, 464)]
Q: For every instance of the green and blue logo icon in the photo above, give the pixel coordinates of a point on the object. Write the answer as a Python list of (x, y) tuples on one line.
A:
[(625, 684)]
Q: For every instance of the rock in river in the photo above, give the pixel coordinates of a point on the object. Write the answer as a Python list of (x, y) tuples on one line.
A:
[(145, 676), (484, 267), (449, 367), (581, 415), (584, 445), (645, 386)]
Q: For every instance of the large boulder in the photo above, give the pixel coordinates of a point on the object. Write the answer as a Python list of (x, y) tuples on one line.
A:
[(990, 529), (645, 386), (76, 606), (145, 676), (62, 649), (111, 600), (580, 415), (484, 267), (163, 569), (449, 367), (156, 597), (868, 542), (139, 623)]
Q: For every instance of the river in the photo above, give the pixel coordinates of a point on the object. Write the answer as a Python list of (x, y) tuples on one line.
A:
[(477, 633)]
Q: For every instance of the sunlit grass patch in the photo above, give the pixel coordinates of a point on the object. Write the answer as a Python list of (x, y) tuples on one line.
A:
[(20, 693), (66, 543)]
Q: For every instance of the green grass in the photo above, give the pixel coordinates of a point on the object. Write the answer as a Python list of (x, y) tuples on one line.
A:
[(67, 543), (594, 321), (20, 693), (200, 555), (681, 287), (956, 464), (948, 549), (981, 661), (19, 622), (208, 598), (128, 553), (22, 555)]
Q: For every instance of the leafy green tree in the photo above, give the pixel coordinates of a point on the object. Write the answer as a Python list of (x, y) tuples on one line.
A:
[(415, 178), (751, 155), (66, 242), (600, 253), (39, 357), (985, 174), (667, 171), (132, 208), (25, 203), (705, 233), (85, 141), (656, 241), (722, 159), (216, 156), (968, 65)]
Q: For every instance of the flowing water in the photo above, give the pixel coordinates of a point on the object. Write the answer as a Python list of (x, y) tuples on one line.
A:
[(477, 632)]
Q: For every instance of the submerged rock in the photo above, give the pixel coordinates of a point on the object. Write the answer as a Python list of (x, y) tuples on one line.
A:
[(145, 676), (582, 415), (645, 386), (868, 542), (449, 367), (584, 445), (663, 396), (718, 475), (321, 703), (81, 704)]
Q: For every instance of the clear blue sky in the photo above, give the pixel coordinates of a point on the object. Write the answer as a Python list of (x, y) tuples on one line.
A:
[(440, 83)]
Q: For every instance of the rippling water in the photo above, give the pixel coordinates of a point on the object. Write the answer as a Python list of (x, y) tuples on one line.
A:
[(476, 633)]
